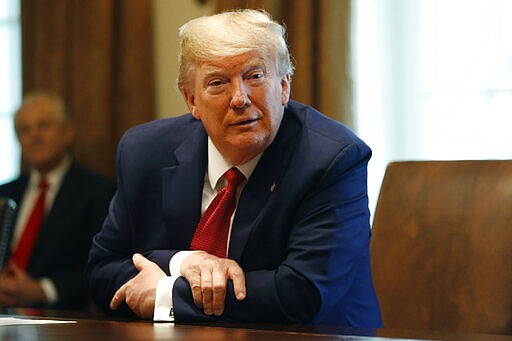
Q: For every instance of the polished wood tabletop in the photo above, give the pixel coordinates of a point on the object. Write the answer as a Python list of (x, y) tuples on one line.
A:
[(98, 327)]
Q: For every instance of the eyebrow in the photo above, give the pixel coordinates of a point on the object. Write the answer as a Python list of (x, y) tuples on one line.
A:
[(212, 70)]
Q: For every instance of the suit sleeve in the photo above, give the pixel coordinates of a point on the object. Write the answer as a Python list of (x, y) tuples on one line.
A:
[(110, 263), (328, 238)]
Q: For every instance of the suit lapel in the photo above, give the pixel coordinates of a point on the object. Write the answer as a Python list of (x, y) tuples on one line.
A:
[(53, 224), (262, 184), (184, 180), (69, 188)]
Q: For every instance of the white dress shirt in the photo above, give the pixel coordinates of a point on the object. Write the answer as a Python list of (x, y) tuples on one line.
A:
[(54, 179), (214, 181)]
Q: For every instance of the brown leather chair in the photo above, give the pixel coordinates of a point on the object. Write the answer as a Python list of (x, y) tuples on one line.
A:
[(7, 209), (441, 249)]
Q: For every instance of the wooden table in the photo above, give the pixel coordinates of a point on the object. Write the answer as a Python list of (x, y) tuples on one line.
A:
[(98, 328)]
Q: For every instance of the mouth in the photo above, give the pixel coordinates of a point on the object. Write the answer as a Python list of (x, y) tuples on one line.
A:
[(245, 122)]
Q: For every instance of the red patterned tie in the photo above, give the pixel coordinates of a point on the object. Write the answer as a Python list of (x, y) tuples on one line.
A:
[(212, 231), (23, 251)]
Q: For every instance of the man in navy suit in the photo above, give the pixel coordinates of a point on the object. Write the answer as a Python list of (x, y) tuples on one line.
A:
[(298, 245), (76, 204)]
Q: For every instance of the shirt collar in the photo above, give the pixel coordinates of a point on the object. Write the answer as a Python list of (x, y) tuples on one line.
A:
[(54, 177), (217, 165)]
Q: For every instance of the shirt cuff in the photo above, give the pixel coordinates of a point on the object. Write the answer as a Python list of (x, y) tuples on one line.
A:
[(164, 311), (49, 290), (177, 259)]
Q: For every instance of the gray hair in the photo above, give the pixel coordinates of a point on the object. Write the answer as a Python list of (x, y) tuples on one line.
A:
[(230, 34), (56, 103)]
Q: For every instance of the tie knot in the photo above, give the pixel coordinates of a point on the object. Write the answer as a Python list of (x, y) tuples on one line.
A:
[(234, 177), (43, 184)]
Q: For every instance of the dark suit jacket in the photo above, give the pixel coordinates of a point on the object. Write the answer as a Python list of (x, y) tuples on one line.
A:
[(301, 231), (61, 248)]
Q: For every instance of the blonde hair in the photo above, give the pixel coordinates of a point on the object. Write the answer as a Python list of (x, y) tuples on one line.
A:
[(230, 34)]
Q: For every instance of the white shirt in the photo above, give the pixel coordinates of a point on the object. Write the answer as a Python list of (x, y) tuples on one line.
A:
[(213, 183), (54, 179)]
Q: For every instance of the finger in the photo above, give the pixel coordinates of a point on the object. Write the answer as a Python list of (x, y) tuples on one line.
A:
[(7, 300), (207, 291), (236, 274), (7, 292), (10, 285), (219, 281), (118, 298), (15, 269), (195, 286)]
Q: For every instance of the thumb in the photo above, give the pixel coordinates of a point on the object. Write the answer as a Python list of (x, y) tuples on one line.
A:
[(238, 277), (14, 269), (139, 261)]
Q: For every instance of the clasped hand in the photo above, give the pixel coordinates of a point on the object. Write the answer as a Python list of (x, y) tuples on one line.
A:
[(206, 274), (18, 288)]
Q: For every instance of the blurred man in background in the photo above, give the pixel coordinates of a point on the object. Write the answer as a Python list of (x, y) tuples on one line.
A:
[(60, 206)]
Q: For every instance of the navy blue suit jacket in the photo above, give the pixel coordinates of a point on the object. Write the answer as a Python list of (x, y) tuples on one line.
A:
[(301, 230), (62, 245)]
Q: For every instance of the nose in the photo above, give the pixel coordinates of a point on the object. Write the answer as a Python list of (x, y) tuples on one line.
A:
[(240, 97)]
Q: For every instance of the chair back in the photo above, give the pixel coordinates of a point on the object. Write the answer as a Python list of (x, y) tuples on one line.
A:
[(441, 247), (7, 211)]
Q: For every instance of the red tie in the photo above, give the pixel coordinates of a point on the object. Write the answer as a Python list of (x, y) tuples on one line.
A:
[(212, 231), (22, 253)]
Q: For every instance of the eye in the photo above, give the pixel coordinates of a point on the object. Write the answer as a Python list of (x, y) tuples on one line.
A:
[(215, 83), (257, 75), (23, 130), (215, 86)]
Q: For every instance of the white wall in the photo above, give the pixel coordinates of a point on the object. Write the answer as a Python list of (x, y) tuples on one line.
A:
[(168, 16)]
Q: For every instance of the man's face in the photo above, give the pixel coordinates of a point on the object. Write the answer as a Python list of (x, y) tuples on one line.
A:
[(43, 137), (240, 101)]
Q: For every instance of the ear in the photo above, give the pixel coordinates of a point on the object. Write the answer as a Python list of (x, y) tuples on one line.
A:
[(191, 102), (285, 89)]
